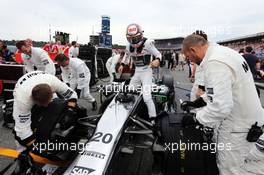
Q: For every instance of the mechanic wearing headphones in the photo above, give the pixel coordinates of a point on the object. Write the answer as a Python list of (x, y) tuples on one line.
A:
[(141, 50), (35, 88), (76, 73)]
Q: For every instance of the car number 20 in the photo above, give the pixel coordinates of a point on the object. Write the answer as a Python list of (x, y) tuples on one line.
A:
[(101, 137)]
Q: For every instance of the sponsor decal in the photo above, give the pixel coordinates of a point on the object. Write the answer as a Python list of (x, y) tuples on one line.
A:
[(210, 91), (45, 62), (81, 75), (78, 170), (260, 145), (210, 98), (94, 154), (30, 75), (23, 118), (67, 94), (132, 29)]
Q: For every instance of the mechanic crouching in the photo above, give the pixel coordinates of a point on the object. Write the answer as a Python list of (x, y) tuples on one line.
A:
[(140, 51), (233, 108), (35, 88)]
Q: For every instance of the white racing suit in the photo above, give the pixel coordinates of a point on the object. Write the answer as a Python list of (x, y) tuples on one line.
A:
[(23, 101), (78, 75), (232, 107), (111, 65), (198, 81), (40, 59), (143, 72)]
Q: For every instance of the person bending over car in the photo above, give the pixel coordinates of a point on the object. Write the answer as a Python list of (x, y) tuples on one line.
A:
[(76, 73), (35, 88)]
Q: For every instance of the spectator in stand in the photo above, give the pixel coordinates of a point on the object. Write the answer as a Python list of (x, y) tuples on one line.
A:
[(1, 58), (254, 64), (1, 46), (8, 56), (66, 49), (49, 47), (252, 60), (241, 51), (74, 50), (58, 48)]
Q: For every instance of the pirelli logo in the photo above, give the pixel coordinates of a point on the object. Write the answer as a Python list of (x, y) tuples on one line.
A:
[(94, 154)]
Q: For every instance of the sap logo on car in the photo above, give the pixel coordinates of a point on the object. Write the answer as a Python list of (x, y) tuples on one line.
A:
[(94, 154), (77, 170)]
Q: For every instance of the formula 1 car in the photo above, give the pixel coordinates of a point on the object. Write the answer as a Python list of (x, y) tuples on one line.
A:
[(122, 140)]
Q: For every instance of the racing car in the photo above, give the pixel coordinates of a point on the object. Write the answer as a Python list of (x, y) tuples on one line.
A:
[(122, 140)]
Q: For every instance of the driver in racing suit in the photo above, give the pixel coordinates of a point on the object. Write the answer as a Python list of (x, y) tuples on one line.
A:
[(232, 106), (35, 88), (141, 50)]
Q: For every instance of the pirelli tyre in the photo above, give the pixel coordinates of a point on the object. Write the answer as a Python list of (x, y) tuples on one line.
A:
[(168, 80), (183, 149)]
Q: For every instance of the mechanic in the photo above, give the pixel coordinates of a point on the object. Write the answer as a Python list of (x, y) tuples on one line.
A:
[(38, 88), (233, 106), (111, 65), (74, 50), (141, 50), (76, 73), (198, 85), (35, 57)]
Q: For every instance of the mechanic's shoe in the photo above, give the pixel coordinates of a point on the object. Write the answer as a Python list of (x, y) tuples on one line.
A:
[(94, 106)]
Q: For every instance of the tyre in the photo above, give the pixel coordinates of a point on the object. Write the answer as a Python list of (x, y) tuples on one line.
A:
[(180, 157), (168, 80)]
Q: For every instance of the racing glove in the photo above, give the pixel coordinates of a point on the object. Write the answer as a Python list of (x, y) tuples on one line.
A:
[(199, 102), (189, 119)]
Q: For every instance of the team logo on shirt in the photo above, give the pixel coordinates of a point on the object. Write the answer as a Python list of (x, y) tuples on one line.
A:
[(82, 75), (210, 93), (45, 62), (23, 118), (260, 145), (67, 94)]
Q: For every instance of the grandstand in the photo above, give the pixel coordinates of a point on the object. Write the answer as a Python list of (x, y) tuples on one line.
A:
[(169, 44), (255, 40)]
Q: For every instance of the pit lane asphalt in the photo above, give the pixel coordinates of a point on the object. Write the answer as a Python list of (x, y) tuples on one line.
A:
[(181, 83)]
